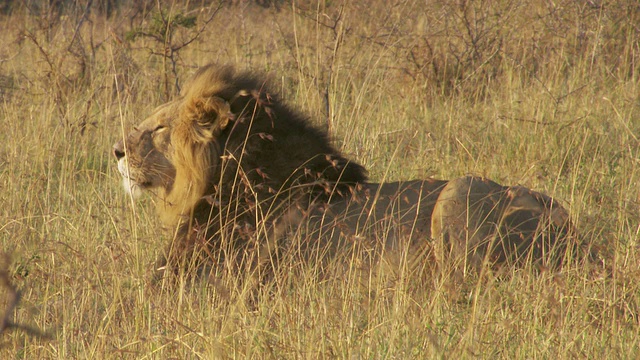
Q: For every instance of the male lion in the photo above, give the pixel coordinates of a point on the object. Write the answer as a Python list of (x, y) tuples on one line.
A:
[(240, 176)]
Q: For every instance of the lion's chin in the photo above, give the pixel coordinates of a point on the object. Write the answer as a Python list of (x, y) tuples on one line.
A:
[(130, 187)]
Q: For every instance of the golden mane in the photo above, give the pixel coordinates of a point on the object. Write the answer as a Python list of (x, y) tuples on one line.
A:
[(218, 115), (194, 154)]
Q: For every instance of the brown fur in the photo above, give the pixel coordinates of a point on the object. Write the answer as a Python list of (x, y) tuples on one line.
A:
[(477, 221), (234, 168)]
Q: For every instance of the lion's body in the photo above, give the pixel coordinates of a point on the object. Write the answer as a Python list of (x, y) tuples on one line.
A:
[(388, 216), (233, 167), (477, 220)]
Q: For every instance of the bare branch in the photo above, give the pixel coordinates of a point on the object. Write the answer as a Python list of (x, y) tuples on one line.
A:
[(200, 31), (12, 300)]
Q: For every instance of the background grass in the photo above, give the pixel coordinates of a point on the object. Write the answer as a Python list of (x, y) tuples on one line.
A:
[(542, 94)]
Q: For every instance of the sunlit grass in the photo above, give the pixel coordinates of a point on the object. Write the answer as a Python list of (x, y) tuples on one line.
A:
[(544, 116)]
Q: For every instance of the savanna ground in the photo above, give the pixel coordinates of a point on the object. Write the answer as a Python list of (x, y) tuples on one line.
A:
[(542, 94)]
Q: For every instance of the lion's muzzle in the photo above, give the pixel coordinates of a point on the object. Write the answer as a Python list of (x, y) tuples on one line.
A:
[(118, 150), (130, 185)]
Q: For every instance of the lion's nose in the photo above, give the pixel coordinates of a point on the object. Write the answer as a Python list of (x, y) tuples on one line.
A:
[(118, 150)]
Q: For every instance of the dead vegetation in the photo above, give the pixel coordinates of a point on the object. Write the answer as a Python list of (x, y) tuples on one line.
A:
[(11, 299), (541, 94)]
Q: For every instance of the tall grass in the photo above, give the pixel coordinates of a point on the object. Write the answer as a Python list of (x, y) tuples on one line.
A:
[(543, 94)]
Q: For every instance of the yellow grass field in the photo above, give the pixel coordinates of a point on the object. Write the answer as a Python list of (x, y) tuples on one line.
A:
[(538, 93)]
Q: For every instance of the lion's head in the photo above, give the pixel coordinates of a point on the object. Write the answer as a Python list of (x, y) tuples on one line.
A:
[(227, 138), (143, 159)]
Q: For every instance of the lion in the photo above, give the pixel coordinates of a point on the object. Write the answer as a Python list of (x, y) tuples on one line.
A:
[(238, 175)]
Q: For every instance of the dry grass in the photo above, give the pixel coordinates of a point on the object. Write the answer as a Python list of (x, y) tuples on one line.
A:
[(537, 93)]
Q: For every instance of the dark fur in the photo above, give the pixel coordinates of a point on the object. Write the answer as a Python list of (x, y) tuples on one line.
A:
[(270, 158)]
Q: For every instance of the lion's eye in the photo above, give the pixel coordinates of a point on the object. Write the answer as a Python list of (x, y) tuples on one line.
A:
[(159, 128)]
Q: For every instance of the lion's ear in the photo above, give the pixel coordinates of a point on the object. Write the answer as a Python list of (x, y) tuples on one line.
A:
[(200, 122), (208, 116)]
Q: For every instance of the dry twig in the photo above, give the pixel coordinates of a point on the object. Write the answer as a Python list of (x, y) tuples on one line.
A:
[(12, 296)]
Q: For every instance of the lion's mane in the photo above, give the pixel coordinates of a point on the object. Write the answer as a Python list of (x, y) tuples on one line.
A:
[(239, 152)]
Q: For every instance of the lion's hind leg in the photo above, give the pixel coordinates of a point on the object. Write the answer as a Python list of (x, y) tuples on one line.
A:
[(478, 223), (464, 221)]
